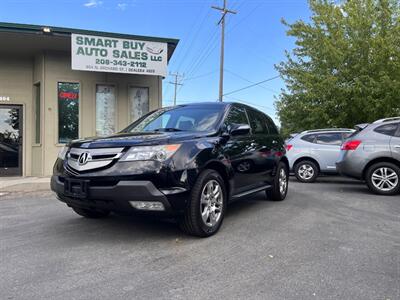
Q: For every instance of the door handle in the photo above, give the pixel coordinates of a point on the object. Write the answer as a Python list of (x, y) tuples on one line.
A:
[(397, 146)]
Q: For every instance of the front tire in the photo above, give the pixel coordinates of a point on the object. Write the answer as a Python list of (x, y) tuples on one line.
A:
[(383, 178), (280, 184), (90, 213), (306, 171), (205, 211)]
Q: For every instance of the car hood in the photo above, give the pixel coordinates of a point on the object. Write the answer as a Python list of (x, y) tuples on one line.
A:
[(124, 139)]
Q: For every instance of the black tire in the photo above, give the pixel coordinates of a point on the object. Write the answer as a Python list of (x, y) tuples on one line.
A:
[(275, 193), (311, 171), (91, 214), (372, 181), (192, 222)]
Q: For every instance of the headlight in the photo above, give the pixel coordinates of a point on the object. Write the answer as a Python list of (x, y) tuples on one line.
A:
[(159, 153), (63, 152)]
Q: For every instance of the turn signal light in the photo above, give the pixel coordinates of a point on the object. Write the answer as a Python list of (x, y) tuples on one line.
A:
[(288, 147), (351, 145)]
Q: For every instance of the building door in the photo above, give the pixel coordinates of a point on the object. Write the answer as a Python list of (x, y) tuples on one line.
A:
[(10, 140)]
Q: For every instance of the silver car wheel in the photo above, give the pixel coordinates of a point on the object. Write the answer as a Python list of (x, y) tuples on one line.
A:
[(282, 181), (211, 203), (305, 172), (385, 179)]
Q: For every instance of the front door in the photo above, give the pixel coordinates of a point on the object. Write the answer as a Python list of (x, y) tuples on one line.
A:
[(10, 140)]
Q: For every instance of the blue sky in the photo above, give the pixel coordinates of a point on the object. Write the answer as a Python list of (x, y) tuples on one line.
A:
[(255, 38)]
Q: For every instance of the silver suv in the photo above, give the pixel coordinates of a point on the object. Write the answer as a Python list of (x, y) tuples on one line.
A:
[(315, 151), (373, 154)]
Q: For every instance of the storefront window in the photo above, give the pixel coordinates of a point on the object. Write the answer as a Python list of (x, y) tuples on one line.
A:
[(105, 110), (68, 111), (37, 112), (139, 102)]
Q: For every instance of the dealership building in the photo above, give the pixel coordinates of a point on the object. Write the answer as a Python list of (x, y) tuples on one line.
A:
[(59, 84)]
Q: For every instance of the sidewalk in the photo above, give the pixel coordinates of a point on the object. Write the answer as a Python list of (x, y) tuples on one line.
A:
[(24, 184)]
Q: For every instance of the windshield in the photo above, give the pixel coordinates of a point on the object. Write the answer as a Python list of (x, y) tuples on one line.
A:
[(182, 118)]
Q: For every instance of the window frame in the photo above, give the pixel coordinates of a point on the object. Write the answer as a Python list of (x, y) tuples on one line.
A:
[(130, 121), (37, 87), (329, 133), (262, 119), (232, 106), (116, 104), (383, 125), (57, 137)]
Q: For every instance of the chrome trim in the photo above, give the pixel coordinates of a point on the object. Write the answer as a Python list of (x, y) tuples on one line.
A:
[(93, 163)]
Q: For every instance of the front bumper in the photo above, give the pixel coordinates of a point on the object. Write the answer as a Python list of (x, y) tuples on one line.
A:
[(117, 195)]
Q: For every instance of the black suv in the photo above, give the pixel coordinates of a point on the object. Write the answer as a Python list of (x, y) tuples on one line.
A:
[(186, 161)]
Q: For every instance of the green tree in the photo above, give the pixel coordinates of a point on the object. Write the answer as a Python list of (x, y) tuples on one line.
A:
[(345, 68)]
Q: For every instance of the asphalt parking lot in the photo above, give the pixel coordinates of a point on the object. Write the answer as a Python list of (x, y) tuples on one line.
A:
[(329, 240)]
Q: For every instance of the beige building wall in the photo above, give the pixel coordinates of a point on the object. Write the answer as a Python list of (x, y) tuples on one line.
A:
[(17, 78)]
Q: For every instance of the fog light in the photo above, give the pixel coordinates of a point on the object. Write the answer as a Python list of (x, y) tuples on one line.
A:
[(147, 205)]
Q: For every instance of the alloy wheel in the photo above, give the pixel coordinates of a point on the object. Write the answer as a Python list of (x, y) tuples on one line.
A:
[(306, 172), (211, 203), (385, 179), (282, 181)]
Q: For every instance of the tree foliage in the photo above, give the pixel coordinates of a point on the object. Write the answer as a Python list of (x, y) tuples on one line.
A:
[(345, 68)]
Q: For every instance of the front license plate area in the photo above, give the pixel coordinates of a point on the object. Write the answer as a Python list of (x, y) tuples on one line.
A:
[(76, 188)]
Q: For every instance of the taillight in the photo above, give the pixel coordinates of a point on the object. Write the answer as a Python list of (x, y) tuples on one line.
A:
[(351, 145), (288, 147)]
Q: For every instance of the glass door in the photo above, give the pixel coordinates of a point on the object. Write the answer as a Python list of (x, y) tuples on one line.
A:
[(10, 140)]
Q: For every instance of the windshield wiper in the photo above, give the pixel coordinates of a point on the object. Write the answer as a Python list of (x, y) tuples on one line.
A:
[(168, 129)]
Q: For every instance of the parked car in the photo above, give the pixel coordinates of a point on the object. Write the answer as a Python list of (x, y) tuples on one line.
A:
[(186, 161), (313, 152), (373, 154)]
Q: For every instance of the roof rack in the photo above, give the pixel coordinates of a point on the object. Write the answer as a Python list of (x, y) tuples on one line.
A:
[(386, 120), (327, 129)]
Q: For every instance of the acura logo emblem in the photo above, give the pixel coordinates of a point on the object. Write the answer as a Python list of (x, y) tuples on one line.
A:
[(84, 158)]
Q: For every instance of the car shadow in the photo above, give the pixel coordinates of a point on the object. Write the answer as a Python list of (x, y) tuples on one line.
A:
[(142, 228)]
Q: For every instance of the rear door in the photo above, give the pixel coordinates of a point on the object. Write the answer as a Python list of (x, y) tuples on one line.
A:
[(327, 149), (395, 143), (265, 142)]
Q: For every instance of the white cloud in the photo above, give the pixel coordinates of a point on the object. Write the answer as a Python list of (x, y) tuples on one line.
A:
[(93, 3), (122, 6)]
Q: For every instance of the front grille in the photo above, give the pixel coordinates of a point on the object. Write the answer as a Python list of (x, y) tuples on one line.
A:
[(81, 160)]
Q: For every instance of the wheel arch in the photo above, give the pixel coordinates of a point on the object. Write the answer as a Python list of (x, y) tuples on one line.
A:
[(379, 160), (304, 158), (223, 171)]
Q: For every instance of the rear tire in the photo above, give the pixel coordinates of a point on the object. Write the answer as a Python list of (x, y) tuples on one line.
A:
[(90, 213), (205, 211), (383, 178), (306, 171), (280, 184)]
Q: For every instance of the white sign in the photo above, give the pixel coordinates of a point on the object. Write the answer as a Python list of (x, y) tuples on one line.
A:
[(107, 54)]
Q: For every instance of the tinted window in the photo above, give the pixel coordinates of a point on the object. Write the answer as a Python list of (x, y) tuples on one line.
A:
[(388, 129), (257, 122), (329, 138), (185, 118), (309, 138), (236, 115), (270, 125)]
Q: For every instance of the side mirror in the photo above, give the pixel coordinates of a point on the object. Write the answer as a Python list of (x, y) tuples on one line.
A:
[(239, 129)]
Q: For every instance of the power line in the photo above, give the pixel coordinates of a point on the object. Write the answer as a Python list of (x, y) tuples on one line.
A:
[(250, 103), (249, 81), (250, 86), (224, 10)]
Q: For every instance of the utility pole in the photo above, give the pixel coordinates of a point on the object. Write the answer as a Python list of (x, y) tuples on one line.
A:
[(176, 83), (221, 22)]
